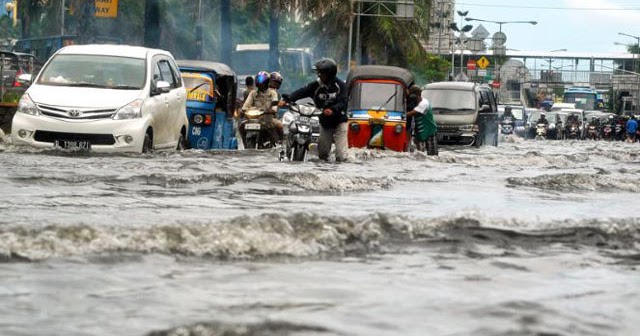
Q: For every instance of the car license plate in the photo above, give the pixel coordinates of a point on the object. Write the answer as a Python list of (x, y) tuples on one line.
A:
[(73, 144), (253, 127)]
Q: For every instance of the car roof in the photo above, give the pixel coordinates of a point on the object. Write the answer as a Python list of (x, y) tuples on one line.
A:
[(466, 86), (112, 50), (197, 65)]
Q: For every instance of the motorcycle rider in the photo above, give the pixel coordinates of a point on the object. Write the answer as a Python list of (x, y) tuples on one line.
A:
[(275, 82), (507, 114), (543, 119), (596, 126), (329, 94), (264, 98), (632, 128), (248, 82)]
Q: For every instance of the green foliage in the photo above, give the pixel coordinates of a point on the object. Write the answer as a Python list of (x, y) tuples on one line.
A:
[(12, 96), (430, 68)]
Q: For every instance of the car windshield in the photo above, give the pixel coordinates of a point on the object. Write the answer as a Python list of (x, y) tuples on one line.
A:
[(97, 71), (383, 96), (450, 100)]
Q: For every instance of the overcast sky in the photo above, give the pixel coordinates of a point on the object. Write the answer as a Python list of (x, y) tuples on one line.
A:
[(575, 25)]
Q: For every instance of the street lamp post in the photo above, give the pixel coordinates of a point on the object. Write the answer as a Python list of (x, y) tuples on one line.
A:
[(635, 65), (500, 23)]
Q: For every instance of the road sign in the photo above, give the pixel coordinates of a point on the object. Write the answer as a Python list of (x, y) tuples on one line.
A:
[(499, 38), (495, 84), (471, 64), (483, 62)]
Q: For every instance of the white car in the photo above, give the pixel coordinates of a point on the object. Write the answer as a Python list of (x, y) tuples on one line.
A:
[(104, 98)]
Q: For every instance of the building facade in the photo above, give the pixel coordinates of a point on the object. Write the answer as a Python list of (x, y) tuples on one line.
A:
[(442, 14)]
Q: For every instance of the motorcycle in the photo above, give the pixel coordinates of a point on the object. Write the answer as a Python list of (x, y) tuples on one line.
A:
[(541, 131), (256, 124), (506, 126), (618, 132), (303, 130), (607, 132), (573, 132), (592, 132)]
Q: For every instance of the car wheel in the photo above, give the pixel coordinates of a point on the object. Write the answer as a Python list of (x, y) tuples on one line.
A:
[(147, 144), (182, 143)]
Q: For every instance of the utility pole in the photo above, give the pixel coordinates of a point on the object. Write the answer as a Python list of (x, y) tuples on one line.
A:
[(274, 36), (225, 31), (151, 23)]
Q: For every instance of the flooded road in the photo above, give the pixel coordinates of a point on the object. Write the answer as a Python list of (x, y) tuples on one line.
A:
[(529, 238)]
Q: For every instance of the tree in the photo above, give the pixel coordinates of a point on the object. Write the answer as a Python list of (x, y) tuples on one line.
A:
[(85, 29)]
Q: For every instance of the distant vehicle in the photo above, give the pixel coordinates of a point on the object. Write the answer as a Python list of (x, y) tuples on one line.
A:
[(377, 107), (43, 47), (295, 63), (519, 113), (532, 122), (104, 98), (211, 101), (583, 97), (466, 113), (562, 106)]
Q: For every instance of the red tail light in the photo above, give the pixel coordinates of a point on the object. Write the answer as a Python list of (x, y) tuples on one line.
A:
[(16, 82), (207, 119)]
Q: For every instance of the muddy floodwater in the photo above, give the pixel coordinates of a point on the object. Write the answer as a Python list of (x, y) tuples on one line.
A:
[(528, 238)]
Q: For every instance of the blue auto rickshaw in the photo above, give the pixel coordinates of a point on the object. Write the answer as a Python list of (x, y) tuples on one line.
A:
[(211, 101)]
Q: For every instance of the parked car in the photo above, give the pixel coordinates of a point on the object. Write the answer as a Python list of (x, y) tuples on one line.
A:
[(104, 98)]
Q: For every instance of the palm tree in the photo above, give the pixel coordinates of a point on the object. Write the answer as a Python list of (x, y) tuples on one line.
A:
[(384, 39)]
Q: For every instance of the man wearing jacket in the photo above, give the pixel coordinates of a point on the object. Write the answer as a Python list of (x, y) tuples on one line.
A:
[(329, 94)]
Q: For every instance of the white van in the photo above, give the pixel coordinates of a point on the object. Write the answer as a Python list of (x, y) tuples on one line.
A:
[(104, 98)]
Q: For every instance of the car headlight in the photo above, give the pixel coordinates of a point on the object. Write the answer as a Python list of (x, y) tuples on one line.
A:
[(27, 106), (132, 110)]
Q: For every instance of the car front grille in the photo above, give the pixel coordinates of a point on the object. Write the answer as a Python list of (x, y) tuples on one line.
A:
[(448, 129), (94, 139), (75, 113)]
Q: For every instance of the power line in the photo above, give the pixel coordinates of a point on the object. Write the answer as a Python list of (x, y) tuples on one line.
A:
[(633, 8)]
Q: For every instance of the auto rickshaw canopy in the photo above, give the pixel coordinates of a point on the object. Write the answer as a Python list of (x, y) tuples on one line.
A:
[(364, 72), (226, 81)]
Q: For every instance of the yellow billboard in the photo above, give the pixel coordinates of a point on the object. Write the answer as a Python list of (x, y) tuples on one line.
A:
[(107, 8)]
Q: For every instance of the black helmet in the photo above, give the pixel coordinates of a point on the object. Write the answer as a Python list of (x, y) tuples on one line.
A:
[(326, 66), (262, 80), (275, 79)]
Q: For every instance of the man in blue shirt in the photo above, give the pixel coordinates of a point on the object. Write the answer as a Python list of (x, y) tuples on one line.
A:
[(632, 128)]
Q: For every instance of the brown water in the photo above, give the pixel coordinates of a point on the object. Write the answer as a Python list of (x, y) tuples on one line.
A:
[(530, 238)]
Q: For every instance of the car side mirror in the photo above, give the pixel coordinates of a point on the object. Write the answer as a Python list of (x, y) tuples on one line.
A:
[(162, 87)]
